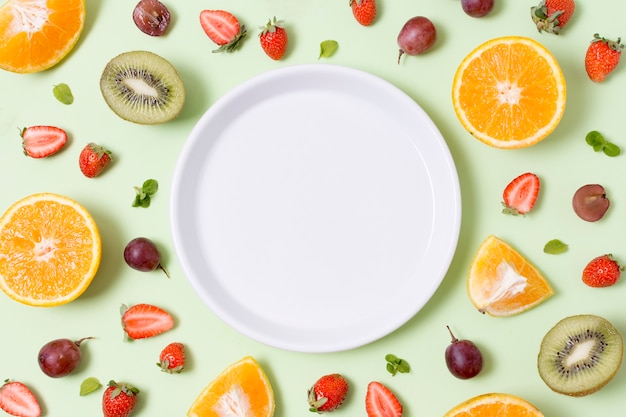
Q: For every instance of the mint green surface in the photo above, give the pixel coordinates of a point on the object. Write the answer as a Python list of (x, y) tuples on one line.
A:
[(510, 345)]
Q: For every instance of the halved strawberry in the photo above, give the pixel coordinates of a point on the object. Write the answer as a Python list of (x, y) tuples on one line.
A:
[(223, 28), (42, 141), (520, 195), (18, 400), (145, 320), (381, 402)]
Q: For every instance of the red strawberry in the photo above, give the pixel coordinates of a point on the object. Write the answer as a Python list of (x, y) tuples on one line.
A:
[(119, 399), (145, 320), (274, 39), (93, 159), (18, 400), (42, 141), (223, 28), (364, 11), (328, 393), (602, 57), (172, 358), (381, 402), (520, 195), (552, 15), (602, 271)]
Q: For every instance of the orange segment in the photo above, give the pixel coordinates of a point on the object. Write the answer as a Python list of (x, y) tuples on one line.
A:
[(509, 92), (49, 250), (496, 404), (501, 282), (36, 34), (242, 389)]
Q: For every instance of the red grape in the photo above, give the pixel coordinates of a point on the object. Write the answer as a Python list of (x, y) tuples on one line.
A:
[(151, 17), (416, 36), (590, 202), (463, 358), (477, 8), (60, 357), (143, 255)]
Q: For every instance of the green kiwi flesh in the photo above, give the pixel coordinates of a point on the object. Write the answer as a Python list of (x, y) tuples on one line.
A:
[(142, 87), (580, 355)]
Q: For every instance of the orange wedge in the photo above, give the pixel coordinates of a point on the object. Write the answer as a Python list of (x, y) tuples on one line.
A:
[(50, 250), (496, 404), (36, 34), (509, 92), (501, 282), (242, 389)]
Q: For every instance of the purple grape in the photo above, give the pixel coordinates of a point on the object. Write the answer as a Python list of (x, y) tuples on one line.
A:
[(590, 202), (463, 358), (477, 8), (60, 357), (416, 36), (151, 17), (143, 255)]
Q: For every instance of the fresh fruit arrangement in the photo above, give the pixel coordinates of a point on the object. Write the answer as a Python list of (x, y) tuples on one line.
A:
[(509, 93)]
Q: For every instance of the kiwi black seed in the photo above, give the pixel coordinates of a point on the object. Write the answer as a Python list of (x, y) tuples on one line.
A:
[(142, 87), (580, 355)]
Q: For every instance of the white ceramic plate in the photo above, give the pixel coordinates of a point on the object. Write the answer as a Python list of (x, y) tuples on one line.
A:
[(315, 208)]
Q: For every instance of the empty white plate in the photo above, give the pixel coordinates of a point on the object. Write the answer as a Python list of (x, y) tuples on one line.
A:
[(315, 208)]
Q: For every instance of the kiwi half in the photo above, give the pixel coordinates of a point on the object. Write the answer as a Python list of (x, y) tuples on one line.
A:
[(142, 87), (580, 355)]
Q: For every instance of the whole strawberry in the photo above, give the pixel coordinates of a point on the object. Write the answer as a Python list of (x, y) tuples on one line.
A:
[(119, 399), (602, 57), (93, 159), (274, 39), (602, 271), (364, 11), (552, 15), (172, 358), (328, 393)]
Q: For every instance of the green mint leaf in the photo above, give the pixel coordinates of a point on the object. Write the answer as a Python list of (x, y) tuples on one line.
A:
[(89, 385), (598, 147), (594, 138), (611, 149), (328, 48), (555, 247), (150, 186), (63, 93), (395, 365)]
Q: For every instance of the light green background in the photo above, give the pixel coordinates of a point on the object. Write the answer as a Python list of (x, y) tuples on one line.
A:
[(510, 345)]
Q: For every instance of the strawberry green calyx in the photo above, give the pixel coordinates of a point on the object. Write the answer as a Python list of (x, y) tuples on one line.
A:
[(122, 388), (234, 43), (271, 25), (546, 23), (613, 45)]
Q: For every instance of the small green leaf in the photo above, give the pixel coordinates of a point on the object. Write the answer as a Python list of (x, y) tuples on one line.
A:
[(143, 194), (598, 147), (328, 48), (89, 385), (395, 365), (555, 247), (611, 149), (63, 93), (594, 138)]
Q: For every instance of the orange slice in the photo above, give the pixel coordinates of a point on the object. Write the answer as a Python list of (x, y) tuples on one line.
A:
[(509, 92), (501, 282), (37, 34), (49, 250), (242, 389), (495, 404)]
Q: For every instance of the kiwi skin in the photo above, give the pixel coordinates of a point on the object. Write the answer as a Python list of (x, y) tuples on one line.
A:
[(142, 87), (593, 335)]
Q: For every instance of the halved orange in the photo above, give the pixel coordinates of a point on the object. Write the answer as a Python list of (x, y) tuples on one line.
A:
[(50, 250), (242, 389), (495, 404), (36, 34), (509, 92), (501, 282)]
